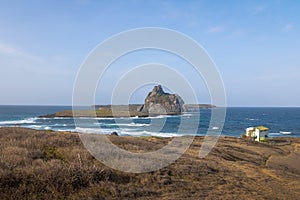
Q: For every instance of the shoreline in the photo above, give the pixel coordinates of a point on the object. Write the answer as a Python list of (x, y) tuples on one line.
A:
[(235, 123), (270, 141), (285, 137), (273, 137)]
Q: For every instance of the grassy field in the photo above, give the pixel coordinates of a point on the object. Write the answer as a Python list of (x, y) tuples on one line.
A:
[(55, 165)]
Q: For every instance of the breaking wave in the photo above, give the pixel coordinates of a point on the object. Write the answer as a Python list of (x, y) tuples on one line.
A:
[(19, 122)]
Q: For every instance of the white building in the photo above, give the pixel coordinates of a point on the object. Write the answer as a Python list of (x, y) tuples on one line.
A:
[(257, 133)]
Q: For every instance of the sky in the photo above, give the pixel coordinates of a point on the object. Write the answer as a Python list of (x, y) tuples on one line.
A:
[(254, 44)]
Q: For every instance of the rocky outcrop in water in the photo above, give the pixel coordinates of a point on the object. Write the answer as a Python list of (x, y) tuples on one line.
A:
[(160, 102), (157, 102)]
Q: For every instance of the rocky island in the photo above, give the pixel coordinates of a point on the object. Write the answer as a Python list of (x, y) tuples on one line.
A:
[(160, 102), (157, 102)]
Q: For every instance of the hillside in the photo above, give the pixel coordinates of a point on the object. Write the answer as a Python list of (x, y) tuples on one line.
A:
[(55, 165)]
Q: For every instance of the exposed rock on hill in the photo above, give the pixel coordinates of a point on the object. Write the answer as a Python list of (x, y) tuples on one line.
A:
[(160, 102)]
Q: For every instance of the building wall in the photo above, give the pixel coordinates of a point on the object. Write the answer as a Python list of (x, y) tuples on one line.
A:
[(250, 131), (260, 134)]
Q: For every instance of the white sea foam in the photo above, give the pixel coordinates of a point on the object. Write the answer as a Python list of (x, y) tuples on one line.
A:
[(34, 126), (57, 124), (159, 117), (215, 128), (156, 117), (134, 124), (24, 121), (130, 132), (285, 132), (93, 130), (187, 114), (66, 130), (166, 134), (123, 124), (252, 119), (274, 134), (147, 133)]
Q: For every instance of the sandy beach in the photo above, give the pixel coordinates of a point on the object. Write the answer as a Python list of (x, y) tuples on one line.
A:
[(55, 165)]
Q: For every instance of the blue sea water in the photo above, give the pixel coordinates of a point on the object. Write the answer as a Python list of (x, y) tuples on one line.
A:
[(282, 122)]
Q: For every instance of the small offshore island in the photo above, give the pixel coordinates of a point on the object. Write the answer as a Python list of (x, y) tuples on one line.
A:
[(156, 103)]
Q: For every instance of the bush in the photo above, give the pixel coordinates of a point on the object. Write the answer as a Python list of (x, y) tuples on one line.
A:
[(51, 152)]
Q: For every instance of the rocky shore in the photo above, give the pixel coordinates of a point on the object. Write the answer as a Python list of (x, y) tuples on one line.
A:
[(55, 165)]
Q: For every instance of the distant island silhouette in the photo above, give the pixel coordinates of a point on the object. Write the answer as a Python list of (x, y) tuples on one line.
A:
[(156, 103)]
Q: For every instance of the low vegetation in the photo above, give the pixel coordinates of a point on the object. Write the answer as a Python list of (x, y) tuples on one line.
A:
[(55, 165), (103, 113), (98, 113)]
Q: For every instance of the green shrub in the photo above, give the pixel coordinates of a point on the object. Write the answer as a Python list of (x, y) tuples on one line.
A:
[(262, 139), (51, 152)]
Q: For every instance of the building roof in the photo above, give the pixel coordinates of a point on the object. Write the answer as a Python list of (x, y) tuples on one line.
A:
[(262, 128)]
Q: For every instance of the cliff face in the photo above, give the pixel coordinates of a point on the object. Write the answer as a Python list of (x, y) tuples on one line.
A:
[(160, 102)]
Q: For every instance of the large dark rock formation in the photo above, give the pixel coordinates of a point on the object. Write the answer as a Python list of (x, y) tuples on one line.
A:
[(160, 102)]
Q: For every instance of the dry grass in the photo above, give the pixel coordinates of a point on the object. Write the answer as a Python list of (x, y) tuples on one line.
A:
[(50, 165)]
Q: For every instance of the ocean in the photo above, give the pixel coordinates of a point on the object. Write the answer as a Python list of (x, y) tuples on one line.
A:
[(282, 122)]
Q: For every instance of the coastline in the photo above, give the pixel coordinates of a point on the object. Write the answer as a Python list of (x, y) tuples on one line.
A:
[(237, 120), (49, 164)]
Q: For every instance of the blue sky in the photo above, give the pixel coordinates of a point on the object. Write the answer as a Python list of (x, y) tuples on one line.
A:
[(255, 44)]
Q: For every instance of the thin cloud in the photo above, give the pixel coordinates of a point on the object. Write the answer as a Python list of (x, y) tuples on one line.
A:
[(288, 27), (13, 51), (259, 9), (215, 29), (13, 58), (5, 49)]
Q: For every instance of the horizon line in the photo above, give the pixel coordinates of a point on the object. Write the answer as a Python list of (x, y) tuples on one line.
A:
[(230, 106)]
